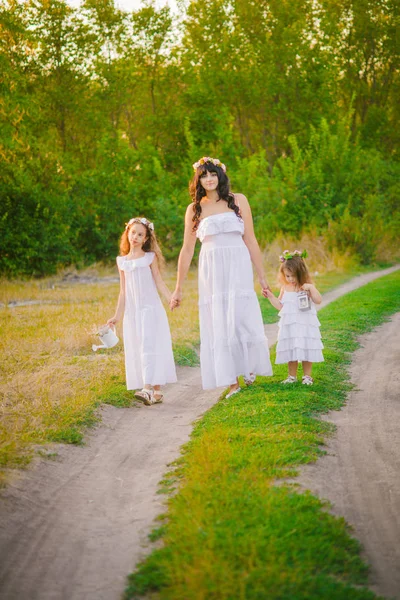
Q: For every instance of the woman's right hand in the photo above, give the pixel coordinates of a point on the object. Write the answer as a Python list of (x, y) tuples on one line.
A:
[(112, 322), (176, 299)]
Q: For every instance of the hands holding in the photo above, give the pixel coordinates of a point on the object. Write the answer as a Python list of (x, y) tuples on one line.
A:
[(112, 322), (265, 289), (176, 299)]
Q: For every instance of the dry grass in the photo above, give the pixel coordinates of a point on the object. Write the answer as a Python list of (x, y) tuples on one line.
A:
[(51, 379)]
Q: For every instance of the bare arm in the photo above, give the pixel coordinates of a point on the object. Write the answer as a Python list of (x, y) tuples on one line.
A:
[(313, 292), (185, 257), (119, 312), (159, 281), (276, 302), (250, 240)]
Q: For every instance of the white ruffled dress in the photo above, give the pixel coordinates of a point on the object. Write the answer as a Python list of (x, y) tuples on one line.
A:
[(147, 338), (232, 335), (299, 336)]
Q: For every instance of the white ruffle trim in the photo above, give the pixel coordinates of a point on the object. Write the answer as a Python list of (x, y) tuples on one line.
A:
[(296, 330), (300, 342), (136, 263), (299, 354), (220, 223)]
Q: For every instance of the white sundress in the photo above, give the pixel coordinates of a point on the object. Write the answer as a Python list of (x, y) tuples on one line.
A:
[(232, 335), (147, 338), (299, 337)]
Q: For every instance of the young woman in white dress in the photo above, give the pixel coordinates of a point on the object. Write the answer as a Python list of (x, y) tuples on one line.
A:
[(299, 338), (232, 335), (149, 361)]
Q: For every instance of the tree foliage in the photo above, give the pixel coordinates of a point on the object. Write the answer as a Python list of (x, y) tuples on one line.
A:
[(102, 113)]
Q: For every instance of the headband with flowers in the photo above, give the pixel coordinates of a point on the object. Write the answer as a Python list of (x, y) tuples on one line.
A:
[(286, 255), (208, 159), (143, 221)]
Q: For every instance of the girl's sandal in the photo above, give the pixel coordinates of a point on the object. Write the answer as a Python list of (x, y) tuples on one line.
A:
[(307, 380), (158, 398), (146, 396)]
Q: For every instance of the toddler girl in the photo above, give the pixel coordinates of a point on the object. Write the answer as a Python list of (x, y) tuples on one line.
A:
[(299, 338), (149, 361)]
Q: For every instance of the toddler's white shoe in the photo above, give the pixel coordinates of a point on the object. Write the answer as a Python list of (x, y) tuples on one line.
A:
[(307, 380), (290, 379), (234, 392), (250, 380)]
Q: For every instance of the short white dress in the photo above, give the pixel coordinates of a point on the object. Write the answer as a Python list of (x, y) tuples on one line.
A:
[(232, 335), (299, 336), (147, 338)]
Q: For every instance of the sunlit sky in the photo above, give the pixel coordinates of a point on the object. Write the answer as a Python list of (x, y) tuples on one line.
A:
[(129, 5)]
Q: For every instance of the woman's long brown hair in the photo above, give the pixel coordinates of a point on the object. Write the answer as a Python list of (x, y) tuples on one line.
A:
[(197, 192)]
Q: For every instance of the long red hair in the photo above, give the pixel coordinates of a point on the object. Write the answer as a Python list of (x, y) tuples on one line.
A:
[(150, 244)]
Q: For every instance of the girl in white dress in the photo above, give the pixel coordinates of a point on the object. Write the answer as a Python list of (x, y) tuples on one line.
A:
[(149, 362), (232, 335), (299, 337)]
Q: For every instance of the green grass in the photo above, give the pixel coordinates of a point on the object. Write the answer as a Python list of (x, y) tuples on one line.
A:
[(230, 532)]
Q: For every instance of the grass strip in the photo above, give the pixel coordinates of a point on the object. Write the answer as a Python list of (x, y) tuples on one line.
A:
[(229, 531)]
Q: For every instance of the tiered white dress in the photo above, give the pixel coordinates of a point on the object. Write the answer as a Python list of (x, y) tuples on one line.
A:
[(232, 335), (299, 337), (147, 338)]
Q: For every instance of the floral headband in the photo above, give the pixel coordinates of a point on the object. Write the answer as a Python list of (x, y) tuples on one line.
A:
[(143, 221), (286, 255), (208, 159)]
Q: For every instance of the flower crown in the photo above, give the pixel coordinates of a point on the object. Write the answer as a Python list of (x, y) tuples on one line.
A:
[(208, 159), (286, 255), (143, 221)]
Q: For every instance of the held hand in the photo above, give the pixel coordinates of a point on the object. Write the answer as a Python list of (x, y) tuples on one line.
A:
[(307, 287), (266, 292), (112, 322), (264, 287), (176, 299)]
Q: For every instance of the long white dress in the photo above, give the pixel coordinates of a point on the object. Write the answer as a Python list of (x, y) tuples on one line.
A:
[(232, 335), (299, 337), (147, 338)]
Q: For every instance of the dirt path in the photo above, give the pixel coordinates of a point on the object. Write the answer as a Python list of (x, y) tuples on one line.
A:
[(73, 528), (360, 475)]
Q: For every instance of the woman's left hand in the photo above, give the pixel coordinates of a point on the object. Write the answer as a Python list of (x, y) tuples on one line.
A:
[(264, 286), (176, 299)]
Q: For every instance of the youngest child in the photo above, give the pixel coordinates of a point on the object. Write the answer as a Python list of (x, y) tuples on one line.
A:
[(299, 337)]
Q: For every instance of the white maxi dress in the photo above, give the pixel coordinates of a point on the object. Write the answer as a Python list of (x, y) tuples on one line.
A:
[(147, 338), (232, 335), (299, 336)]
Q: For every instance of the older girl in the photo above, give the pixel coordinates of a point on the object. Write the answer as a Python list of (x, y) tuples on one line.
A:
[(149, 361)]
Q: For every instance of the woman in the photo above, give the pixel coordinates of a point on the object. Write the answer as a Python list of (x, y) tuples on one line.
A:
[(232, 335)]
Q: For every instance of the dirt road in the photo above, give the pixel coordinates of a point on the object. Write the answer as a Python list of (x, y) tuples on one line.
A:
[(73, 528), (360, 474)]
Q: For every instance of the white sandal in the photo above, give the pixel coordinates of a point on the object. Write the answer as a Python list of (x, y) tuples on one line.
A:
[(239, 389), (290, 379), (307, 380), (146, 396)]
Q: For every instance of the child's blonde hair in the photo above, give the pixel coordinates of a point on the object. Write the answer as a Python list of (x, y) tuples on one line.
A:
[(150, 244), (297, 267)]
